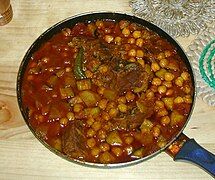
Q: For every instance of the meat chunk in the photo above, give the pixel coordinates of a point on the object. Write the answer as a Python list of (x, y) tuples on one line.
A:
[(129, 122), (134, 121), (73, 140), (130, 77)]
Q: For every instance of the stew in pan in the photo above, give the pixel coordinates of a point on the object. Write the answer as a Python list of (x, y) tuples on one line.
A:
[(107, 91)]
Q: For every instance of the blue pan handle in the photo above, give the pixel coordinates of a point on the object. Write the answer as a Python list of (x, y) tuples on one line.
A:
[(191, 151)]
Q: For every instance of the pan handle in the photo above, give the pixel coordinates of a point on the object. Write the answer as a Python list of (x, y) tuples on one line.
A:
[(191, 151)]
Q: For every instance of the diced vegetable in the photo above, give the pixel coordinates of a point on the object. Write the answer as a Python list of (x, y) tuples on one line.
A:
[(161, 141), (78, 68), (66, 93), (110, 94), (106, 157), (113, 138), (138, 153), (141, 106), (90, 98), (146, 126), (143, 87), (144, 138), (94, 112), (84, 84), (56, 143), (176, 118), (161, 73), (148, 70), (168, 101)]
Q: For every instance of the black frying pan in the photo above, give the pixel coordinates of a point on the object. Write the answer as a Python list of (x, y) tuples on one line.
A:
[(189, 149)]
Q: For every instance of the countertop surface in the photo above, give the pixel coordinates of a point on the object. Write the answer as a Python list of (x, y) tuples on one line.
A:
[(22, 156)]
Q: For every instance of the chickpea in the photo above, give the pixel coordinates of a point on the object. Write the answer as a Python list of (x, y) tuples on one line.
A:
[(88, 74), (113, 112), (162, 89), (118, 40), (107, 126), (129, 96), (111, 105), (179, 81), (105, 116), (66, 31), (95, 151), (126, 32), (154, 88), (163, 63), (104, 147), (101, 134), (91, 142), (70, 116), (187, 89), (90, 121), (122, 99), (167, 53), (169, 92), (165, 120), (103, 69), (185, 75), (139, 53), (162, 112), (123, 24), (117, 151), (188, 99), (63, 121), (109, 38), (169, 76), (139, 42), (136, 34), (178, 100), (168, 84), (132, 53), (122, 108), (155, 67), (156, 81), (99, 24), (103, 103), (156, 131), (129, 139), (96, 125), (131, 40), (159, 104), (91, 132), (78, 107), (161, 56), (150, 94), (100, 90)]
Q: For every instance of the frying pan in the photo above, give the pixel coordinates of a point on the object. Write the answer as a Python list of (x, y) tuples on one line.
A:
[(187, 149)]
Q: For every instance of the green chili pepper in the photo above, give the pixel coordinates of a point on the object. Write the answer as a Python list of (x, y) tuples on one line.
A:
[(78, 71)]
